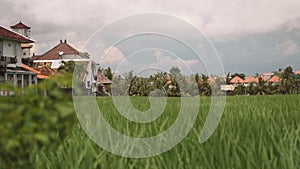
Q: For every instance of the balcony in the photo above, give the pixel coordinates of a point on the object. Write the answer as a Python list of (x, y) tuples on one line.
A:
[(4, 60)]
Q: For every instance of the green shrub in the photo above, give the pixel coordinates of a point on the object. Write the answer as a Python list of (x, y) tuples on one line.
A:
[(34, 117)]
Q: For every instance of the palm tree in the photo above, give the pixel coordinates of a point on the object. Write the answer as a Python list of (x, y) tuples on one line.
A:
[(261, 88)]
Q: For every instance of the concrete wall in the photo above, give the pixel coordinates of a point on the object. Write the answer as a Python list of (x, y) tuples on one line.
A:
[(12, 49)]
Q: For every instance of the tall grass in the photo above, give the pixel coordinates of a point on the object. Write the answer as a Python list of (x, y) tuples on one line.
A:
[(255, 132)]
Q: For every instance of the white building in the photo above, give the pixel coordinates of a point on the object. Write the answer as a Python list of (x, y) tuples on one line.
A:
[(11, 54), (64, 52)]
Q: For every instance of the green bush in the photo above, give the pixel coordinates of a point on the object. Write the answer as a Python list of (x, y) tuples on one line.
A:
[(34, 117)]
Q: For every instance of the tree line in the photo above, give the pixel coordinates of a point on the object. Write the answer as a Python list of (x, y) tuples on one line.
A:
[(174, 83)]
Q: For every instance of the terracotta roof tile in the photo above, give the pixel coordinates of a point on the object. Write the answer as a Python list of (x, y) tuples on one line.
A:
[(42, 77), (103, 79), (274, 79), (42, 72), (30, 68), (297, 72), (20, 25), (45, 70), (251, 79), (9, 34), (53, 54), (237, 79)]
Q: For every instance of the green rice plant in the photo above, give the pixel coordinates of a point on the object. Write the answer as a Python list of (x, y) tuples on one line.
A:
[(255, 132)]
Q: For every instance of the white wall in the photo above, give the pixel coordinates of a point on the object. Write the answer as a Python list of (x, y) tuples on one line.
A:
[(12, 49)]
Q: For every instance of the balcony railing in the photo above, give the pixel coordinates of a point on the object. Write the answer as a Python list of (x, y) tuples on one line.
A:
[(4, 60)]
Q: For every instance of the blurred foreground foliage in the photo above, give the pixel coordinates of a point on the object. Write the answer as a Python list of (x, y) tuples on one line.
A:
[(34, 117)]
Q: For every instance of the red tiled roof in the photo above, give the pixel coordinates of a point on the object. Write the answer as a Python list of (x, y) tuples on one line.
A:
[(42, 72), (20, 25), (274, 79), (297, 72), (237, 79), (42, 77), (251, 79), (45, 70), (103, 79), (30, 68), (53, 54), (9, 34)]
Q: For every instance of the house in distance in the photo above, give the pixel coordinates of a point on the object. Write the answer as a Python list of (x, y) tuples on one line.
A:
[(14, 47)]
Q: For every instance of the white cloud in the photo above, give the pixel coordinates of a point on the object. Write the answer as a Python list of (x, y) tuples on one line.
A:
[(112, 56), (215, 18), (166, 62), (222, 21)]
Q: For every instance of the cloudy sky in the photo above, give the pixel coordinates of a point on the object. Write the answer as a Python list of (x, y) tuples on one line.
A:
[(249, 36)]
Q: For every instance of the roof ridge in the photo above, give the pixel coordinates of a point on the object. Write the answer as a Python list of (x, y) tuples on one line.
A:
[(20, 23), (18, 33), (58, 45)]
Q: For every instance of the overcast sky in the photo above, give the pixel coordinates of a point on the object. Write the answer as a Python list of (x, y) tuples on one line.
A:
[(250, 36)]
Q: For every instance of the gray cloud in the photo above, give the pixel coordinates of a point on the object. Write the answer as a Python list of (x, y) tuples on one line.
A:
[(243, 31)]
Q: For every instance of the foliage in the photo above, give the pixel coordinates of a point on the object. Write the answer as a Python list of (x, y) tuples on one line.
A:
[(67, 67), (241, 75), (255, 132), (204, 87), (33, 118)]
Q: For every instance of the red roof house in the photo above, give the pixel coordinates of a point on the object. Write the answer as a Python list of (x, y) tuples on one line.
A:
[(11, 35), (103, 79), (43, 72), (274, 79), (237, 80), (20, 25), (63, 48), (251, 79)]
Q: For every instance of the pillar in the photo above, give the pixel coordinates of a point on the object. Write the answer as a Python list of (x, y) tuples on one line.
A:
[(15, 79), (22, 80), (5, 77), (29, 79)]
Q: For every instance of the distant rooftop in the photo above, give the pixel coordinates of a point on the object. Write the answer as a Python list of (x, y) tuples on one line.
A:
[(9, 34), (63, 48), (20, 25)]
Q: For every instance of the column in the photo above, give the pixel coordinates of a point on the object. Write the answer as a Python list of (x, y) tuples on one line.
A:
[(29, 79), (22, 80), (35, 79), (5, 77), (15, 79)]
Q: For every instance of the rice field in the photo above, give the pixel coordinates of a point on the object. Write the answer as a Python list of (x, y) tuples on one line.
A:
[(255, 132)]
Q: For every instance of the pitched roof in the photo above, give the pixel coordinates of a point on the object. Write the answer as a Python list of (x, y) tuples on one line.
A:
[(9, 34), (274, 79), (297, 72), (237, 79), (251, 79), (47, 71), (30, 68), (20, 25), (103, 79), (42, 72), (54, 53)]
